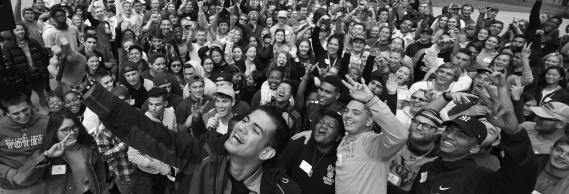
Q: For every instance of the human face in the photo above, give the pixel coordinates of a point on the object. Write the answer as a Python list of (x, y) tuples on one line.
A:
[(375, 87), (480, 80), (325, 132), (424, 8), (406, 25), (491, 43), (492, 134), (223, 105), (482, 35), (107, 82), (422, 130), (443, 22), (253, 42), (208, 65), (72, 102), (327, 94), (20, 113), (237, 53), (452, 23), (303, 48), (67, 128), (155, 4), (223, 27), (236, 36), (216, 56), (374, 32), (90, 44), (418, 101), (197, 90), (444, 76), (466, 11), (333, 46), (60, 17), (156, 106), (492, 14), (132, 78), (251, 53), (358, 45), (461, 59), (552, 76), (396, 43), (138, 6), (251, 135), (269, 21), (559, 158), (501, 62), (394, 60), (456, 143), (384, 34), (284, 92), (201, 37), (76, 20), (178, 32), (356, 118), (402, 75), (275, 77), (19, 31), (546, 125), (527, 105), (134, 55), (29, 15), (176, 66), (39, 4), (171, 7), (496, 28), (383, 16), (518, 42), (156, 43), (551, 61), (99, 13), (127, 7), (189, 73), (159, 65), (279, 36), (358, 29), (93, 63)]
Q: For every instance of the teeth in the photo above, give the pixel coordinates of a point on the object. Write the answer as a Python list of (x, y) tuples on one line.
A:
[(237, 138), (448, 143)]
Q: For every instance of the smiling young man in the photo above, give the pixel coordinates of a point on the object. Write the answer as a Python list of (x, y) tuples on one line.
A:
[(554, 168), (328, 95), (218, 118), (551, 119), (455, 171)]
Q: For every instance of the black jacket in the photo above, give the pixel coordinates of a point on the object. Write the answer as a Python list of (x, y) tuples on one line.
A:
[(202, 162), (516, 176)]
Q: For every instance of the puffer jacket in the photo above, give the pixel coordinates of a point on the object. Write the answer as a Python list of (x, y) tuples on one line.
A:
[(202, 162), (16, 59)]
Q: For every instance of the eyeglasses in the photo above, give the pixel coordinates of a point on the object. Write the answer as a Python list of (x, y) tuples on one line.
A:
[(69, 129), (419, 99), (422, 126), (176, 65)]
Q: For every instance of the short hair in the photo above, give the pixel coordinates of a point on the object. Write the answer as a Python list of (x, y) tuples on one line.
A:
[(157, 92), (156, 34), (520, 36), (135, 47), (280, 138), (467, 5), (155, 56), (497, 22), (562, 141), (188, 65), (27, 9), (465, 51), (13, 98), (87, 28), (556, 17), (90, 36), (101, 73), (451, 66)]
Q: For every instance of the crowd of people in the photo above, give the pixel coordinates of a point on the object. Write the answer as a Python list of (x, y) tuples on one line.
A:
[(282, 96)]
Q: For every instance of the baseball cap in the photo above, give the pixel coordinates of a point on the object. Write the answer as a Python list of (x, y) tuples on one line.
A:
[(338, 117), (194, 79), (493, 9), (334, 80), (454, 6), (223, 76), (282, 14), (553, 110), (129, 66), (471, 126), (160, 79), (360, 37), (226, 90), (430, 114)]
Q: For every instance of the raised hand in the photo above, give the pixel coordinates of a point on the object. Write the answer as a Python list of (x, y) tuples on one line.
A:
[(460, 97), (358, 91), (526, 52), (56, 150), (478, 110), (517, 89), (305, 134), (499, 79), (391, 84), (68, 65)]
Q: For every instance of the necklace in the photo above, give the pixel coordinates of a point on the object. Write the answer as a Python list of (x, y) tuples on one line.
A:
[(313, 158), (407, 155)]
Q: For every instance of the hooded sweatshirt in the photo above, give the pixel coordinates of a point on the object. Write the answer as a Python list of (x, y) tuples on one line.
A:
[(18, 143)]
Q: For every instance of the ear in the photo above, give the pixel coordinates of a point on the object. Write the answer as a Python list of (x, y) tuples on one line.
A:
[(560, 124), (475, 149), (165, 103), (233, 103), (267, 153), (369, 122)]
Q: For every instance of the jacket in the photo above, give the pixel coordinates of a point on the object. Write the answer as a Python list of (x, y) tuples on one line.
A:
[(516, 176), (63, 183), (19, 147), (16, 60), (202, 162)]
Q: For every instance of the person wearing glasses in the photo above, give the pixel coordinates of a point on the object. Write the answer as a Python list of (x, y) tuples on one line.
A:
[(76, 164), (408, 110)]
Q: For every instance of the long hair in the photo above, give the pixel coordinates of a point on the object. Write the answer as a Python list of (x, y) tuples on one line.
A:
[(509, 67), (287, 74), (26, 30), (310, 53), (55, 121), (475, 38), (540, 84)]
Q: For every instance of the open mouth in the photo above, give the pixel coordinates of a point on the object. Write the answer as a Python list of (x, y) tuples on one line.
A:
[(447, 144), (320, 132), (237, 138)]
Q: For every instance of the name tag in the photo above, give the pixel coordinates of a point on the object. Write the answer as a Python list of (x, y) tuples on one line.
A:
[(306, 167), (394, 179), (487, 60), (58, 169)]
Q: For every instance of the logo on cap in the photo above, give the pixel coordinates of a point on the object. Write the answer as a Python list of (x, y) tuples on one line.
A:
[(464, 118)]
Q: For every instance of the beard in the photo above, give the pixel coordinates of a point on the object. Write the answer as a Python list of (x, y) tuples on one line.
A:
[(61, 26)]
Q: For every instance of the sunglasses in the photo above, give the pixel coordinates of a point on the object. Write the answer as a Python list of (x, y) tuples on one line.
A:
[(176, 65), (419, 99)]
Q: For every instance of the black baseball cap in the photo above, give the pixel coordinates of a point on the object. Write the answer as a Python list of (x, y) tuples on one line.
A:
[(471, 126), (223, 76)]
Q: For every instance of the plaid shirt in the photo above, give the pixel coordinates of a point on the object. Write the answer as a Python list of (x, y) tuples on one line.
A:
[(115, 154)]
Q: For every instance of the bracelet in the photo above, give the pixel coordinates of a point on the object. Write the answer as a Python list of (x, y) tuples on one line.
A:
[(446, 97), (369, 100)]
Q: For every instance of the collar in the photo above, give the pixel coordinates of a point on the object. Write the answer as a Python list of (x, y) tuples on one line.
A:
[(448, 165), (253, 182)]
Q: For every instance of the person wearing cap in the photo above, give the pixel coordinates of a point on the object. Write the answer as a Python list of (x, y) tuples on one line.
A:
[(282, 17), (424, 42), (487, 16), (157, 63), (218, 118), (455, 171), (420, 148), (52, 35), (552, 117), (357, 57), (137, 86), (313, 164), (161, 80), (196, 97)]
